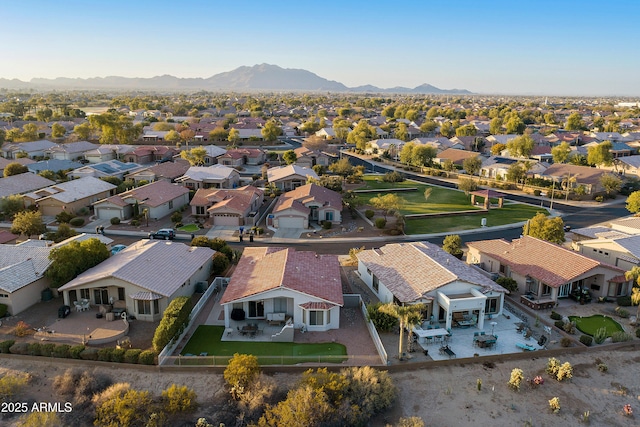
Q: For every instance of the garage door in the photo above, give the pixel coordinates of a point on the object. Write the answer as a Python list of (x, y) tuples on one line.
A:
[(226, 220), (290, 222)]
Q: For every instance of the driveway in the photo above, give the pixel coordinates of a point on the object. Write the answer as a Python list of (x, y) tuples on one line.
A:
[(289, 233)]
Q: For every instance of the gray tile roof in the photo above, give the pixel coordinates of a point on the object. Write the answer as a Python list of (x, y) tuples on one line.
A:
[(21, 265), (22, 183), (157, 266), (75, 189)]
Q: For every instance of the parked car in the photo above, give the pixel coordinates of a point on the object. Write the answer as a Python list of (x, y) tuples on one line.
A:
[(163, 234), (117, 248)]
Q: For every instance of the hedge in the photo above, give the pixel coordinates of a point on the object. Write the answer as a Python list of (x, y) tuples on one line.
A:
[(586, 340), (65, 351), (77, 221), (6, 345), (173, 322), (147, 357), (117, 355), (75, 351), (132, 355)]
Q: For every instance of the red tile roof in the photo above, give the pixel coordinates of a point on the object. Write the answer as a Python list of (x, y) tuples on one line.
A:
[(306, 194), (263, 269)]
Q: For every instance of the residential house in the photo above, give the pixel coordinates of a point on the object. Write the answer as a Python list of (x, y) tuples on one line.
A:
[(628, 165), (213, 153), (289, 177), (111, 168), (24, 161), (238, 157), (215, 176), (546, 272), (326, 133), (309, 158), (108, 152), (470, 143), (166, 171), (149, 154), (22, 278), (22, 183), (235, 207), (454, 155), (629, 225), (381, 145), (145, 277), (439, 143), (584, 176), (614, 247), (32, 150), (69, 196), (299, 285), (53, 165), (71, 150), (150, 135), (158, 199), (310, 202), (421, 272), (618, 149)]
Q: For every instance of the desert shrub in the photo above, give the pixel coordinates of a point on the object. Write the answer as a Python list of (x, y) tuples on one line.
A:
[(132, 355), (115, 220), (104, 354), (600, 335), (622, 312), (77, 222), (553, 366), (19, 348), (257, 394), (599, 199), (3, 310), (75, 351), (508, 283), (241, 371), (327, 225), (177, 399), (559, 324), (64, 217), (382, 321), (12, 384), (516, 378), (393, 176), (62, 350), (117, 355), (410, 422), (173, 321), (89, 353), (47, 349), (620, 336), (6, 345), (135, 223), (624, 301), (66, 383), (34, 348), (87, 385), (602, 367), (569, 327), (555, 316), (127, 407), (176, 217), (536, 192), (565, 372), (21, 329), (586, 340), (380, 223), (565, 342), (147, 357), (369, 213), (49, 419), (554, 404)]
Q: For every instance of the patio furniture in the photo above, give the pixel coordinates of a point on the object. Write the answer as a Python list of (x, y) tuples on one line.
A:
[(78, 305), (525, 347), (447, 350), (275, 319), (228, 332), (486, 341), (85, 305)]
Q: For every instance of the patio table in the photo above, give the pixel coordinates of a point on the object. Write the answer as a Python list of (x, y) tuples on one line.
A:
[(424, 333), (486, 340)]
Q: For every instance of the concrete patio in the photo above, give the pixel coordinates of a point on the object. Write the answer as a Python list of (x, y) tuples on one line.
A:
[(83, 327)]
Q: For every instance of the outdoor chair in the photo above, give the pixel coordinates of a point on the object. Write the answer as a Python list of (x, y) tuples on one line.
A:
[(428, 340)]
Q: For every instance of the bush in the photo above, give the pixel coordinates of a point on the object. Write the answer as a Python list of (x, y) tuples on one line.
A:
[(6, 345), (75, 351), (602, 367), (508, 283), (132, 355), (327, 225), (620, 336), (89, 353), (559, 324), (33, 349), (104, 354), (147, 357), (599, 199), (382, 321), (624, 301), (536, 192), (3, 310), (569, 327), (19, 348), (77, 222), (115, 220), (47, 349), (586, 340), (173, 322), (622, 312), (62, 350), (380, 223), (64, 217), (394, 176), (600, 335), (369, 213), (176, 217), (135, 222), (117, 355), (240, 373), (565, 342), (177, 399), (555, 316), (22, 329)]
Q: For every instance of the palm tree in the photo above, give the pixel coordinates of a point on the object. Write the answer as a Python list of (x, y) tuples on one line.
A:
[(634, 274), (408, 316)]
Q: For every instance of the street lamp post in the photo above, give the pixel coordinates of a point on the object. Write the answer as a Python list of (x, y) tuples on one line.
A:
[(553, 185)]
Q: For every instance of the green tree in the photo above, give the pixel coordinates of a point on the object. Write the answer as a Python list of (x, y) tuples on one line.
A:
[(544, 228), (70, 260), (447, 130), (406, 153), (195, 156), (220, 263), (172, 136), (342, 167), (40, 419), (561, 152), (498, 148), (428, 126), (550, 118), (164, 126), (271, 131), (515, 173), (401, 132), (48, 174), (241, 371), (521, 146), (11, 205), (472, 165), (341, 128), (290, 157), (515, 125), (82, 131), (423, 155), (575, 122), (633, 202), (467, 185), (57, 130), (15, 168), (389, 203), (28, 223), (407, 315), (361, 134), (234, 136), (495, 126), (611, 183), (452, 244), (466, 130), (600, 154), (219, 134)]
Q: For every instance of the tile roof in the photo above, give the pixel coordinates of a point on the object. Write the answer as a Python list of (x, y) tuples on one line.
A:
[(74, 147), (629, 222), (585, 174), (155, 193), (287, 172), (54, 165), (306, 194), (22, 160), (456, 156), (22, 183), (157, 266), (239, 199), (22, 265), (547, 262), (411, 270), (263, 269), (75, 189), (595, 232), (201, 173)]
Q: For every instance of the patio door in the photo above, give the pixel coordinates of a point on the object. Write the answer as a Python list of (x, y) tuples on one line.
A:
[(100, 296), (73, 296), (564, 290), (256, 309)]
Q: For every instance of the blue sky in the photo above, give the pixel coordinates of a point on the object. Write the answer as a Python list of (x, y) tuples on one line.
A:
[(505, 47)]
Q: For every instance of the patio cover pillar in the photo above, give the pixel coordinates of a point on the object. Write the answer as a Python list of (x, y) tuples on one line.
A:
[(500, 202)]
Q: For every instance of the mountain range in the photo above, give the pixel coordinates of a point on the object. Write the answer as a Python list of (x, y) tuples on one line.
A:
[(263, 77)]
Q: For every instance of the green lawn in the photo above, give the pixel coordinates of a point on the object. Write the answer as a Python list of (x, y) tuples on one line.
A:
[(189, 228), (207, 339), (589, 325), (510, 213)]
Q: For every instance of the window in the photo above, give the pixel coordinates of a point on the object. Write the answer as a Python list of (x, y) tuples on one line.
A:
[(491, 305), (170, 204), (279, 305), (199, 210), (144, 307), (101, 296), (85, 294), (73, 296), (546, 290), (121, 294), (502, 268), (256, 308), (4, 296), (156, 306), (376, 283), (316, 317), (328, 215)]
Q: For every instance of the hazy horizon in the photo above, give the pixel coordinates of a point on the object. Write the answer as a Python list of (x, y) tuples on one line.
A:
[(494, 47)]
